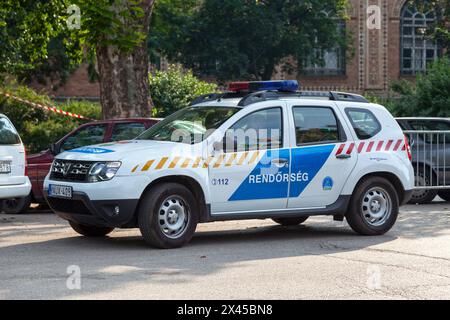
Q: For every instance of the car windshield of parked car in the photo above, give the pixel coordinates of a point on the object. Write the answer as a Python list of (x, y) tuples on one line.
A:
[(190, 125), (8, 135)]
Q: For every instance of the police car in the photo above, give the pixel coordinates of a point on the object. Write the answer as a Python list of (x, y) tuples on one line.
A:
[(262, 150)]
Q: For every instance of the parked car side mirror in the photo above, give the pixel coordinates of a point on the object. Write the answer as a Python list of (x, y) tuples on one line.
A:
[(54, 149)]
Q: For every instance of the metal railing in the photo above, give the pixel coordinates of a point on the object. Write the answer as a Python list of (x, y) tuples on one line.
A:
[(431, 158)]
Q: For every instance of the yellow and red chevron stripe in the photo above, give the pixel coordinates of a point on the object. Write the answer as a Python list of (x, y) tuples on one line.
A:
[(219, 161)]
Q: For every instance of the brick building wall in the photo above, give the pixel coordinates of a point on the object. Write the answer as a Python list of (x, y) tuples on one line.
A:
[(376, 60)]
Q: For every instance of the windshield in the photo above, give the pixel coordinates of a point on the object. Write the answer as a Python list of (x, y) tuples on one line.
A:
[(190, 125), (8, 135)]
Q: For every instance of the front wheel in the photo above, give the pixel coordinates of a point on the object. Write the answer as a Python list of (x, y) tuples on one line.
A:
[(16, 205), (374, 207), (90, 231), (290, 221), (168, 216)]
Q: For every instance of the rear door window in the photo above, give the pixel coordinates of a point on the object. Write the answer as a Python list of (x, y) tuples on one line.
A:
[(127, 131), (364, 122), (8, 135), (315, 125)]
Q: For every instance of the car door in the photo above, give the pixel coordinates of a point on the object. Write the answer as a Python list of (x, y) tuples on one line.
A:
[(251, 173), (434, 149), (85, 136), (322, 155)]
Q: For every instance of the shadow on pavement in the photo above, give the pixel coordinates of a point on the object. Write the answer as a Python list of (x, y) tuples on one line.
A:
[(113, 262)]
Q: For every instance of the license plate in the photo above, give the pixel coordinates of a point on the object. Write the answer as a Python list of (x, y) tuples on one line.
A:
[(60, 191), (5, 167)]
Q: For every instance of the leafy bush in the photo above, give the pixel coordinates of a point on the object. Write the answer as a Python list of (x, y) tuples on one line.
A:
[(174, 89), (429, 97), (38, 128)]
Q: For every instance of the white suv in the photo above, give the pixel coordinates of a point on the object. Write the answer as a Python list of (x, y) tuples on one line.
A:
[(262, 150), (13, 180)]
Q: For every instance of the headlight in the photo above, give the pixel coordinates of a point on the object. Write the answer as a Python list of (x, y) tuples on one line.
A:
[(103, 171)]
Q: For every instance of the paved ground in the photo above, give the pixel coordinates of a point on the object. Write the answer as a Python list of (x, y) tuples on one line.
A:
[(245, 259)]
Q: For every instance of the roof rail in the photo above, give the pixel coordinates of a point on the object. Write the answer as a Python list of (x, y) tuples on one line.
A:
[(206, 98), (218, 96), (275, 95)]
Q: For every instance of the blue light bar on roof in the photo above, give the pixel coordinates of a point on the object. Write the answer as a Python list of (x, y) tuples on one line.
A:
[(278, 85), (281, 85)]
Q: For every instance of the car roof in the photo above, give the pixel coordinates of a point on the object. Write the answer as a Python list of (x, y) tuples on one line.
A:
[(234, 102), (422, 118)]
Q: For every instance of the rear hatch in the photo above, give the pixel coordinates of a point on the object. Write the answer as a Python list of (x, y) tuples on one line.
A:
[(12, 155)]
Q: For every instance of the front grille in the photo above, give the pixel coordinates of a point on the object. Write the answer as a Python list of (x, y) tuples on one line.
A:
[(69, 206), (68, 170)]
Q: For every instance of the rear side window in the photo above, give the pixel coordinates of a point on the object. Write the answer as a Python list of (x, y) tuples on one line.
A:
[(8, 135), (86, 136), (315, 125), (364, 122), (127, 131)]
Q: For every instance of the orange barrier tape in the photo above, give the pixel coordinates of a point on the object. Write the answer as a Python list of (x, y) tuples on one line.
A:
[(46, 108)]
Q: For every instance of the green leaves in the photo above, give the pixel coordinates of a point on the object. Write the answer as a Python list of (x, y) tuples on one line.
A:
[(429, 97), (237, 39), (39, 128), (116, 23), (174, 89)]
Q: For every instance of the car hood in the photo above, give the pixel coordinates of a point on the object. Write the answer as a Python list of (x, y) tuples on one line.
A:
[(117, 151)]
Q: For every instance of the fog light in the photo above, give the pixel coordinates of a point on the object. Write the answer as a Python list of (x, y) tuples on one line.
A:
[(116, 210)]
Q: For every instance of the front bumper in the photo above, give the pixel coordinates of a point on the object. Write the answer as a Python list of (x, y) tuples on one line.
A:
[(15, 191), (102, 213)]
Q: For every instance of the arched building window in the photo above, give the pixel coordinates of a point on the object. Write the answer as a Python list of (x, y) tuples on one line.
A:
[(332, 60), (417, 50)]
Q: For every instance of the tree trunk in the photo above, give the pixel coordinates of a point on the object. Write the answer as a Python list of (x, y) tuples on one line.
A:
[(124, 88)]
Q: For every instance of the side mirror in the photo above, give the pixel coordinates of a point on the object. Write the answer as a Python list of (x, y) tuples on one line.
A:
[(218, 146), (54, 149)]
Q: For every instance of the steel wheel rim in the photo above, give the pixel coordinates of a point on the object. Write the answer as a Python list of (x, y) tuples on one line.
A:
[(173, 217), (376, 206)]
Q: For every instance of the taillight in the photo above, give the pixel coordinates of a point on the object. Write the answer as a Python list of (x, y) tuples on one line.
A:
[(407, 148), (26, 164)]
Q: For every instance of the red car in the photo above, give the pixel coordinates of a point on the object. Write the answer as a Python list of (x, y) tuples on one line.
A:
[(38, 165)]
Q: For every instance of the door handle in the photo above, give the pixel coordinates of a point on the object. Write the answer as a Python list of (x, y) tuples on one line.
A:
[(280, 163), (344, 156)]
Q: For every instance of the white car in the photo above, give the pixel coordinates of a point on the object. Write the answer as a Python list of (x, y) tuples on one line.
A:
[(262, 150), (14, 184)]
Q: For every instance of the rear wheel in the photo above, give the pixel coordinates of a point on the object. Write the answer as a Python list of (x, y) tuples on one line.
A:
[(374, 207), (290, 221), (445, 194), (423, 196), (90, 231), (168, 216), (16, 205)]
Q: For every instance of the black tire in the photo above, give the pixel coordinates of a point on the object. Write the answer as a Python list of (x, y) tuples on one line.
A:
[(423, 196), (153, 220), (90, 231), (445, 194), (16, 205), (356, 217), (290, 221)]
